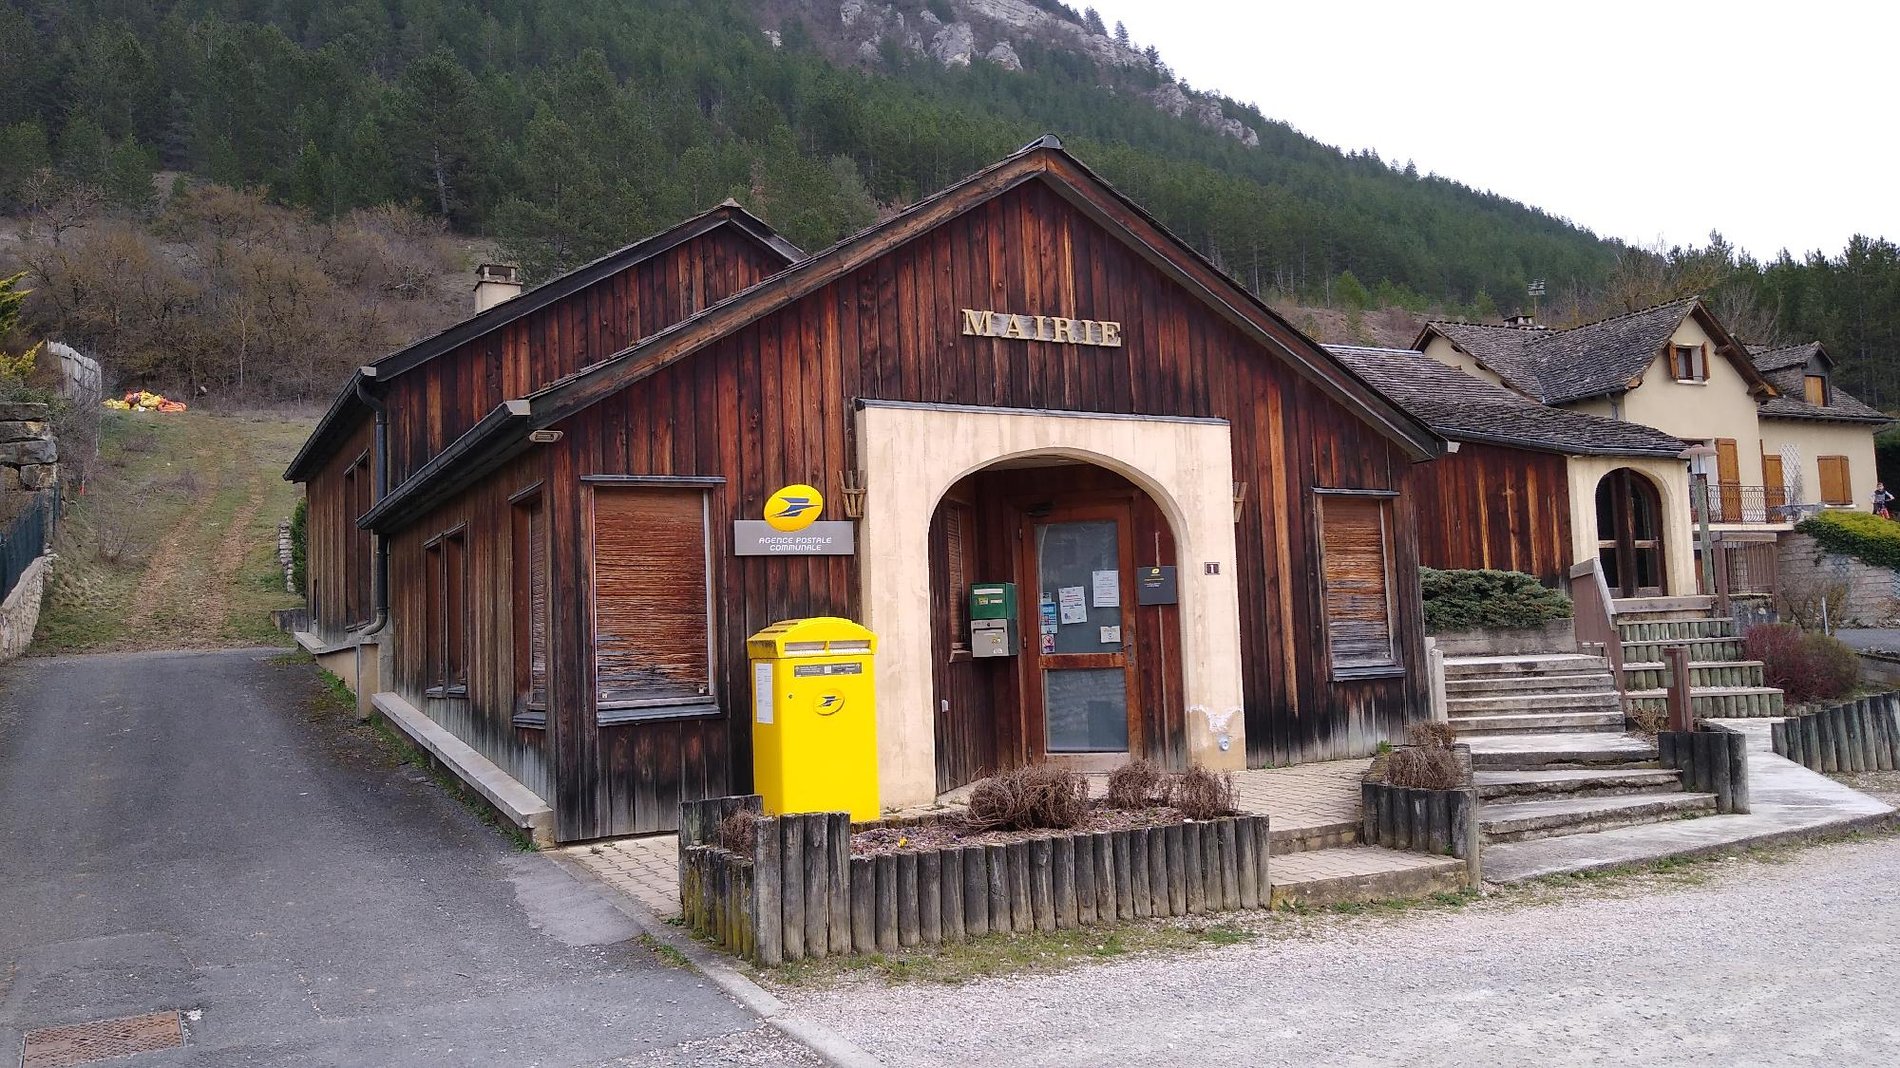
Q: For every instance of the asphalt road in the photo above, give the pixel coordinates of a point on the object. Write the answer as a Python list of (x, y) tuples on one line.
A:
[(198, 831)]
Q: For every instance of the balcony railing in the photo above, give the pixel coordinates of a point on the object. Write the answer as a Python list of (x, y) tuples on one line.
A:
[(1734, 503)]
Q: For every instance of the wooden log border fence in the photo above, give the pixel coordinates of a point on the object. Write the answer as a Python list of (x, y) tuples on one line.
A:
[(1858, 735), (1713, 760), (801, 893)]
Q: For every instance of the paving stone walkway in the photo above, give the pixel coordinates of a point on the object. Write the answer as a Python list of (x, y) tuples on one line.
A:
[(1305, 799)]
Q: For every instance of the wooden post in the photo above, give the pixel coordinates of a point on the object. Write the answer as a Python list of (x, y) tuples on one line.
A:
[(1062, 878), (1666, 749), (1420, 840), (1191, 860), (1830, 730), (1811, 750), (1883, 733), (1263, 855), (1229, 865), (908, 922), (792, 842), (817, 883), (1022, 918), (1681, 707), (1174, 849), (1042, 893), (1438, 822), (1388, 817), (863, 905), (1246, 866), (1369, 812), (838, 875), (953, 911), (1715, 744), (1474, 839), (1863, 735), (930, 898), (1142, 895), (1085, 880), (996, 861), (1158, 874), (769, 924), (1104, 850), (1213, 900), (884, 915), (1124, 876), (976, 892), (1737, 772)]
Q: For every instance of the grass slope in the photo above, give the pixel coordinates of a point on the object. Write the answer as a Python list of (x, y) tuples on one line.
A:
[(173, 543)]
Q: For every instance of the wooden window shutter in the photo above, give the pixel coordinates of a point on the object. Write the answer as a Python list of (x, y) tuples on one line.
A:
[(959, 558), (1358, 580), (1815, 388), (1702, 362), (651, 594), (1836, 487), (537, 606), (1773, 487), (432, 616), (455, 610)]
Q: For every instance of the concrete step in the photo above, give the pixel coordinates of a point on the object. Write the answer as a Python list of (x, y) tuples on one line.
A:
[(1521, 821), (1540, 723), (1702, 649), (1463, 667), (1475, 686), (1719, 702), (1703, 674), (1560, 752), (1658, 609), (1310, 838), (1672, 630), (1606, 783), (1324, 877), (1504, 704)]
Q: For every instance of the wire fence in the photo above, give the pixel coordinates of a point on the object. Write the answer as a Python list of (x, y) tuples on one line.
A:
[(26, 537)]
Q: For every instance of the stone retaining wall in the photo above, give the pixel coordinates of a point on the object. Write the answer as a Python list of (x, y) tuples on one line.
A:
[(1870, 596), (29, 457), (20, 614)]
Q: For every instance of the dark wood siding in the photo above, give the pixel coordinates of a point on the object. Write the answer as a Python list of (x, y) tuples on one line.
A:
[(770, 404), (436, 403), (1487, 506), (337, 558)]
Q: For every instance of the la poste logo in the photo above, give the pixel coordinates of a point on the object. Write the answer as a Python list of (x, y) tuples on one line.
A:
[(794, 508)]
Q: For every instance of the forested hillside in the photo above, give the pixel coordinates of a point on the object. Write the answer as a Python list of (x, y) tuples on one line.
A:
[(562, 128)]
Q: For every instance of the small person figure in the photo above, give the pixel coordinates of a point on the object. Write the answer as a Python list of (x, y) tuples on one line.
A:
[(1881, 500)]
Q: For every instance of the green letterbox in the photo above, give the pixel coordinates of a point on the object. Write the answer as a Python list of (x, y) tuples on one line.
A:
[(993, 600)]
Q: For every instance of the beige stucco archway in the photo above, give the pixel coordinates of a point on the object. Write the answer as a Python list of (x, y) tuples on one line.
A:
[(909, 457)]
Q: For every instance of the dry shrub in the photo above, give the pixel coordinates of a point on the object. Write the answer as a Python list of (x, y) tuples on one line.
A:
[(1201, 794), (1135, 784), (1648, 720), (1034, 797), (1429, 763), (1808, 665), (738, 831)]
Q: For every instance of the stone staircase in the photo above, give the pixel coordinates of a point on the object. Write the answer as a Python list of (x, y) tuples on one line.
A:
[(1723, 683), (1531, 694), (1534, 787)]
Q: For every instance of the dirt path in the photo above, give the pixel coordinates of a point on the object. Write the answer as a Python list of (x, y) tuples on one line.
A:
[(171, 585)]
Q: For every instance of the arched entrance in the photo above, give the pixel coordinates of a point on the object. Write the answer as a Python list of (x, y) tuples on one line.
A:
[(1091, 672), (1630, 534)]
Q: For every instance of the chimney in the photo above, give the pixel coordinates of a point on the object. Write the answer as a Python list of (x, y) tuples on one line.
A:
[(495, 283), (1524, 319)]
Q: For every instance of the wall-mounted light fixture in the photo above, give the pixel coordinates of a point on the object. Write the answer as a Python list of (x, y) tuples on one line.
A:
[(544, 437)]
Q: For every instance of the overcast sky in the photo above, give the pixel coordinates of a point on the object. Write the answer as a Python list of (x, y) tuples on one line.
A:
[(1778, 125)]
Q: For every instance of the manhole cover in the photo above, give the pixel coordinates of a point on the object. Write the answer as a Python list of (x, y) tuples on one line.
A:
[(59, 1047)]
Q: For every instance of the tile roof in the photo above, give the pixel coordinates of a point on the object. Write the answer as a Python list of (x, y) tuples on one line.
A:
[(1562, 366), (1465, 408), (1784, 368), (1784, 357)]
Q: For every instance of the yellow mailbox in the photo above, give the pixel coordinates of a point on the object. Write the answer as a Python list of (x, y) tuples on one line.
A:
[(814, 717)]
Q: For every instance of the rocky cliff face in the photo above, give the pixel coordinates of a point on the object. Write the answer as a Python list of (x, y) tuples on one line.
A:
[(987, 31)]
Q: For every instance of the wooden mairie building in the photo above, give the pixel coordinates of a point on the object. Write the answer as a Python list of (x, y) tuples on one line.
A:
[(1021, 379)]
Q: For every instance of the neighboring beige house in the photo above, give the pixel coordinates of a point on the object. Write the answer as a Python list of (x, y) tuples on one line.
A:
[(1781, 440), (1817, 441)]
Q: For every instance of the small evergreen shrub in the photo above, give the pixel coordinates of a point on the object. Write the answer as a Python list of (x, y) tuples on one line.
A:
[(1488, 600), (299, 543), (1807, 665), (1861, 535)]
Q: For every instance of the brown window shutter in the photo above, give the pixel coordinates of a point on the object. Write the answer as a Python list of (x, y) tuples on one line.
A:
[(455, 610), (1815, 388), (1353, 546), (959, 547), (432, 616), (537, 607), (1773, 486), (650, 597), (1836, 486)]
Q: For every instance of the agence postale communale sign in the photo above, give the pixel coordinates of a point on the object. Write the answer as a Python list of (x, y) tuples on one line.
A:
[(1056, 328)]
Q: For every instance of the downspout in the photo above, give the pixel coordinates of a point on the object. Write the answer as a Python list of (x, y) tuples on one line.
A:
[(379, 487)]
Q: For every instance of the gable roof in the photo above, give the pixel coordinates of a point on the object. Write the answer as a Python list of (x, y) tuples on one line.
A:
[(1592, 360), (503, 433), (1463, 407), (348, 407), (1785, 367)]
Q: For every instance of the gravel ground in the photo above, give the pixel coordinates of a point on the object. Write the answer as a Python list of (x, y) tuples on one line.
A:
[(1782, 961), (763, 1045)]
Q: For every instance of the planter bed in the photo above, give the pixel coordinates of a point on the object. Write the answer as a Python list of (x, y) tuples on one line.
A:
[(812, 885)]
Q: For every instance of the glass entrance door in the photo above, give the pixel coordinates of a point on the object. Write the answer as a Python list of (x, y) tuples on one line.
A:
[(1078, 687)]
